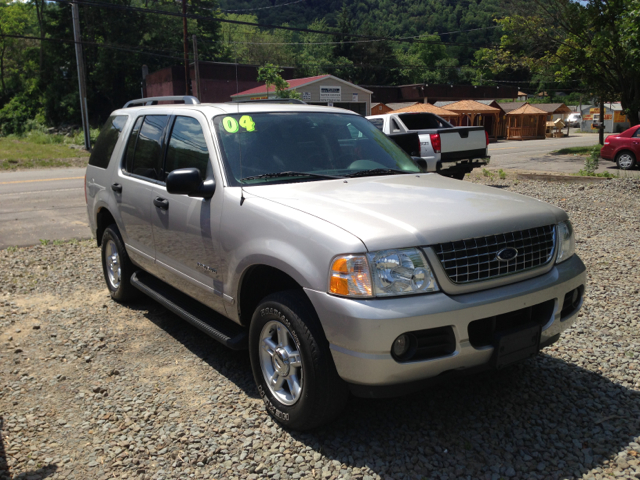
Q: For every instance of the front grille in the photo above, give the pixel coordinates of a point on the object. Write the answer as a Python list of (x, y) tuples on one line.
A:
[(475, 259)]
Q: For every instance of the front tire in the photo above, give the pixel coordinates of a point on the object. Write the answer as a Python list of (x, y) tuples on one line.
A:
[(625, 160), (117, 266), (292, 364)]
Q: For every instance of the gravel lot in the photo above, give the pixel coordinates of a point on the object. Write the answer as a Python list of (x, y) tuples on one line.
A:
[(90, 389)]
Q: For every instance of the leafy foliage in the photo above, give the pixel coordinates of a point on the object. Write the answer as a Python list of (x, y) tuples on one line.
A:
[(594, 42)]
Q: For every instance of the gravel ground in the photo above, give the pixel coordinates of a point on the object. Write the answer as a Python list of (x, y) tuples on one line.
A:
[(91, 389)]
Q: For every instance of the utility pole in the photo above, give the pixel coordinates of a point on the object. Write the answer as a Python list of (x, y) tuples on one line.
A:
[(186, 47), (198, 92), (601, 129), (82, 83)]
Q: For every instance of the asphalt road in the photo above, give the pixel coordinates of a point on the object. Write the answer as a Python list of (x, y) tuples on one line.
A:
[(42, 205), (49, 204), (535, 155)]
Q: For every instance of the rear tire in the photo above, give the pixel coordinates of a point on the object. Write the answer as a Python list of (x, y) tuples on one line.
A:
[(292, 364), (625, 160), (117, 266)]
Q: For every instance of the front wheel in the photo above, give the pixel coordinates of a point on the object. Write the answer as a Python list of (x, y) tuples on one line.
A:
[(292, 364), (625, 160)]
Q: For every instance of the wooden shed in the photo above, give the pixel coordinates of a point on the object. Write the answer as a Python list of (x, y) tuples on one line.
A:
[(448, 115), (526, 123), (380, 108), (475, 113)]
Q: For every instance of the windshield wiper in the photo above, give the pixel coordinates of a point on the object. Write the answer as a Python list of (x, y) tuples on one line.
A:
[(289, 174), (375, 171)]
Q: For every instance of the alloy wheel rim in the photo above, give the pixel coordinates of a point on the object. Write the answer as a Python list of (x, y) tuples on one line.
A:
[(281, 362), (625, 161), (112, 260)]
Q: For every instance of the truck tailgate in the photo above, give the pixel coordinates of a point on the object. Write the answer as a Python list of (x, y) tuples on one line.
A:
[(462, 143)]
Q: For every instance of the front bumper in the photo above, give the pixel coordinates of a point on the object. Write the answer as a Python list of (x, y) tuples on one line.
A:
[(361, 332)]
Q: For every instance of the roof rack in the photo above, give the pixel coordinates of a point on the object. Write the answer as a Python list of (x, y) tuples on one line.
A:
[(274, 100), (187, 99)]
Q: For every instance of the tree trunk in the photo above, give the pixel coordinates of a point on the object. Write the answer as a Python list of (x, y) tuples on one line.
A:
[(39, 13), (601, 129), (2, 67)]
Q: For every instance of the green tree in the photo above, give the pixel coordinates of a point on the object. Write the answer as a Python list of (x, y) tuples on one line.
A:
[(270, 75), (593, 42)]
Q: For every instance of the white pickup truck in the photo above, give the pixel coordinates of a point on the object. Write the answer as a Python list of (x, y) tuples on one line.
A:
[(448, 150)]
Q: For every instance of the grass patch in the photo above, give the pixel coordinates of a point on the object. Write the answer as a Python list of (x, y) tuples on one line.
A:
[(577, 150), (15, 154), (585, 173)]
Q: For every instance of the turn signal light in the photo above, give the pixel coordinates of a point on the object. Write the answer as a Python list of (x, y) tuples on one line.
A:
[(349, 276)]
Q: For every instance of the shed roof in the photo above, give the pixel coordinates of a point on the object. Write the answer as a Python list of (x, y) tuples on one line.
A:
[(553, 107), (428, 108), (444, 103), (398, 105), (527, 109), (471, 106), (510, 106), (297, 83)]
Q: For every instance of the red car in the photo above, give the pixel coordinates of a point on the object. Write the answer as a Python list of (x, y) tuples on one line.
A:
[(623, 148)]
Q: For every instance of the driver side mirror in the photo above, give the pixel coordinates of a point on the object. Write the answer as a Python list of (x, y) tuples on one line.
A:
[(187, 181)]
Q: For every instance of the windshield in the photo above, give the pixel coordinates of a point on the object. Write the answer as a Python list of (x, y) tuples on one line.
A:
[(423, 121), (265, 147)]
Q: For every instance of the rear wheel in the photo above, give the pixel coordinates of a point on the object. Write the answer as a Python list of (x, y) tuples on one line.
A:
[(291, 362), (117, 266), (625, 160)]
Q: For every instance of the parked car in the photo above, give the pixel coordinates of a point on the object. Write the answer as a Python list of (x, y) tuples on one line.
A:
[(450, 151), (623, 148), (574, 120), (303, 234)]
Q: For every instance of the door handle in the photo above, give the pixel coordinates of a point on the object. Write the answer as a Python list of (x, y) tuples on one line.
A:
[(116, 187), (162, 203)]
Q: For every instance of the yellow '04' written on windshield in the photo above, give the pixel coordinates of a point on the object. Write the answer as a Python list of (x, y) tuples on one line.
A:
[(231, 125)]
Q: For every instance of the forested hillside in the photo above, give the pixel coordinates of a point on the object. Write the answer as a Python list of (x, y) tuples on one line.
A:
[(38, 79)]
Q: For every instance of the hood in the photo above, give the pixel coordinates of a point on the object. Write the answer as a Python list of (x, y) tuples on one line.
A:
[(413, 209)]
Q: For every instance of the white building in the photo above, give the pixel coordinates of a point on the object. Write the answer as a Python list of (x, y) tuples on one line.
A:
[(320, 90)]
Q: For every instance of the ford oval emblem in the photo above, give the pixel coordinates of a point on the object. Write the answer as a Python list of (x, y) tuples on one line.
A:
[(507, 254)]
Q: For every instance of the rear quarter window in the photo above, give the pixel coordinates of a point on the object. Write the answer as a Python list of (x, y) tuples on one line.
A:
[(106, 141)]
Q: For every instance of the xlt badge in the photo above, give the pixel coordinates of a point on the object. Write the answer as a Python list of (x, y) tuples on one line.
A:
[(206, 267)]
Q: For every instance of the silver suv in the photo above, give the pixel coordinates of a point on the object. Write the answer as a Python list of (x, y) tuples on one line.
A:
[(305, 235)]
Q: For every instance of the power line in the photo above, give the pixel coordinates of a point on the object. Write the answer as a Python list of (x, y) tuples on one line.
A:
[(416, 37), (255, 9), (96, 44), (277, 27)]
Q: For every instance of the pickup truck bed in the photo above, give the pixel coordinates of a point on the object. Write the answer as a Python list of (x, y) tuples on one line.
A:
[(448, 150)]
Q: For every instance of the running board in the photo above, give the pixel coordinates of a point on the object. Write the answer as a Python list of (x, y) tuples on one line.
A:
[(210, 322)]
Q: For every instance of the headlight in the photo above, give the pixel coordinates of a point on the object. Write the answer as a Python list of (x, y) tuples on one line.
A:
[(393, 272), (566, 241)]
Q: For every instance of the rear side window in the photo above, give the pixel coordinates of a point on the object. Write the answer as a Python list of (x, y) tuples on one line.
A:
[(144, 157), (421, 121), (106, 141), (187, 147), (377, 122)]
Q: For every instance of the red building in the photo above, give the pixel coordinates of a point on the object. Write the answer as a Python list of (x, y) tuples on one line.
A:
[(218, 80)]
